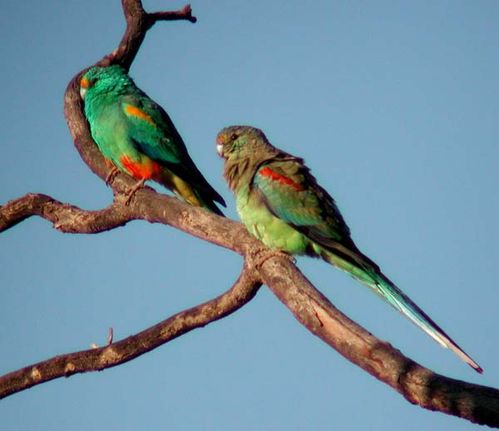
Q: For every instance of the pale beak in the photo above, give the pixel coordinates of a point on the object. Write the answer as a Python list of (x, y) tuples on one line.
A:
[(84, 84), (220, 150), (220, 144)]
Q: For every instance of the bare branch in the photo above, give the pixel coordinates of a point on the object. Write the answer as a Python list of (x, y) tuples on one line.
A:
[(146, 204), (183, 14), (64, 217), (416, 383), (419, 385), (138, 23), (243, 290)]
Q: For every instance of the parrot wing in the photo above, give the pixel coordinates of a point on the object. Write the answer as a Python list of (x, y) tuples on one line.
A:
[(152, 130), (154, 134), (291, 193)]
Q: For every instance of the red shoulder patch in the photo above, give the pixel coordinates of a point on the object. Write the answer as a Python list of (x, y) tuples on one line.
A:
[(275, 176)]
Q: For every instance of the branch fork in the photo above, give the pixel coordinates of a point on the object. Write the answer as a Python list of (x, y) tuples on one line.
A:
[(416, 383)]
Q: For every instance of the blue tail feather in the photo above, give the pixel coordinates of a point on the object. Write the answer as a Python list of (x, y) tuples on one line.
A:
[(369, 274)]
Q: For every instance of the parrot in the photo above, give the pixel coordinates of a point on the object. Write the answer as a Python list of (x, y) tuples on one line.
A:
[(136, 136), (280, 203)]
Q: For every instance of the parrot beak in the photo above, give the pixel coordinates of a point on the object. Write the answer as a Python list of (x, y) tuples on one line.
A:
[(220, 145), (220, 149), (84, 84)]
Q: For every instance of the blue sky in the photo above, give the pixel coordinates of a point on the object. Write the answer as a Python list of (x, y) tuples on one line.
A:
[(394, 106)]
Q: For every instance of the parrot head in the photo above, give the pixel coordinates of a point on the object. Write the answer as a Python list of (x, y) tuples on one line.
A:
[(236, 143), (243, 149), (103, 78)]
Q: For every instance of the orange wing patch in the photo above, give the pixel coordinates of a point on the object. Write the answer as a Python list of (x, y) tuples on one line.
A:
[(275, 176), (138, 113), (147, 170)]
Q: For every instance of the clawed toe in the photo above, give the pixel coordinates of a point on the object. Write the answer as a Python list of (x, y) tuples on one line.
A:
[(262, 256), (132, 192), (111, 175)]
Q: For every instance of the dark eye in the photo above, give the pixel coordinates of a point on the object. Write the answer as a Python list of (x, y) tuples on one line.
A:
[(233, 137)]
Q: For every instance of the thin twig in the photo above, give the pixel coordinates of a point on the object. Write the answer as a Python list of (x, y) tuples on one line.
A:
[(111, 355), (419, 385)]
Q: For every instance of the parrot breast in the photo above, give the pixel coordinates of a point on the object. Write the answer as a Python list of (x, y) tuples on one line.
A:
[(272, 231)]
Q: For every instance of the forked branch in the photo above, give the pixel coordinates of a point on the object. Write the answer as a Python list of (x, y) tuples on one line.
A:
[(417, 384)]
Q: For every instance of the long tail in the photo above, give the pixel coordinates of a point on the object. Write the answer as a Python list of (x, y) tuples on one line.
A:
[(188, 193), (367, 272)]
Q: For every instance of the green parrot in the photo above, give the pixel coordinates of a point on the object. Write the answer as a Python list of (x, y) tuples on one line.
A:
[(281, 204), (136, 136)]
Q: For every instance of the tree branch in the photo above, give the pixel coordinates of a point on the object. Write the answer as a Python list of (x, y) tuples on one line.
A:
[(64, 217), (417, 384), (184, 14), (243, 290)]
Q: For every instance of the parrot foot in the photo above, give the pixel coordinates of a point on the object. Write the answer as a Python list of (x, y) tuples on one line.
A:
[(132, 192), (262, 256), (111, 175)]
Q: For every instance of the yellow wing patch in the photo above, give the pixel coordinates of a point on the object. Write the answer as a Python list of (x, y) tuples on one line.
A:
[(138, 113)]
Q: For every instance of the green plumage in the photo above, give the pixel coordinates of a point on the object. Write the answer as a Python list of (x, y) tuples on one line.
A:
[(138, 137), (280, 203)]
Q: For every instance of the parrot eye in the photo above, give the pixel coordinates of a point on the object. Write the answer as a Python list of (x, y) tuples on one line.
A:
[(233, 137)]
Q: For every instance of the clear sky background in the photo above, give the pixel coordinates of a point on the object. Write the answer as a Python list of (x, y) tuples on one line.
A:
[(393, 104)]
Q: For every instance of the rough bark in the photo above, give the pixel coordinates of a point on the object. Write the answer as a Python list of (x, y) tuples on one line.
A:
[(416, 383)]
